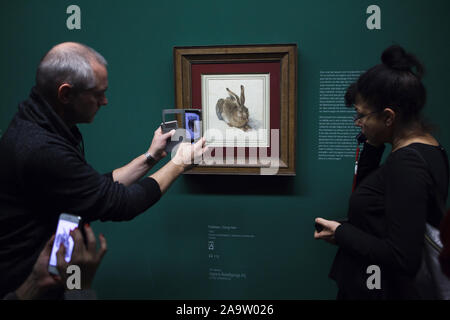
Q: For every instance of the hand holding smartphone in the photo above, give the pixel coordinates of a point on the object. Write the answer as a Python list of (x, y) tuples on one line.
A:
[(67, 222), (191, 123)]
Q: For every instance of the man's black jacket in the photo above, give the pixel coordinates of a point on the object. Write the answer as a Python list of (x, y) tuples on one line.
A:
[(43, 173)]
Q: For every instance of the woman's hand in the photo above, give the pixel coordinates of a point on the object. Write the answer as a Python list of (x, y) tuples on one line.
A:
[(327, 233)]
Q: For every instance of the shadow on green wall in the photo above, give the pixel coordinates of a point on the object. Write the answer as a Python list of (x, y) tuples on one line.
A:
[(240, 185)]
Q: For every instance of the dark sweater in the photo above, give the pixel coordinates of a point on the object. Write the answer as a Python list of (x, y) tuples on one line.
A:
[(43, 173), (386, 220)]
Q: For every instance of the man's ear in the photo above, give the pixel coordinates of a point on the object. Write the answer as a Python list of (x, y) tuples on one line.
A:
[(65, 93), (389, 116)]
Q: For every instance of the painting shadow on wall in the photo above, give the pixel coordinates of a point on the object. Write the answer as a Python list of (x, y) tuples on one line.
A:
[(240, 185)]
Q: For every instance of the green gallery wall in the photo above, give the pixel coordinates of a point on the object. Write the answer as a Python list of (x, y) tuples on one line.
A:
[(165, 252)]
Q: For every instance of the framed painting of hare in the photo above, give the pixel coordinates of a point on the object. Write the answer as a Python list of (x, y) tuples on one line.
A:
[(248, 98)]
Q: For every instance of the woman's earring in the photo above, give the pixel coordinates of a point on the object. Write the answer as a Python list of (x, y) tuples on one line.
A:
[(388, 122)]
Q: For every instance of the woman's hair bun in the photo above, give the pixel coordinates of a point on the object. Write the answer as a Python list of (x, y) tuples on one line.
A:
[(395, 57)]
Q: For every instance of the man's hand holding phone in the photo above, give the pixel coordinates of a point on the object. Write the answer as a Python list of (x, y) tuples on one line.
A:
[(159, 142), (86, 256), (188, 155)]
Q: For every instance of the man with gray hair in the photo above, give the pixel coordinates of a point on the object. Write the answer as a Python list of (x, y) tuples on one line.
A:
[(43, 171)]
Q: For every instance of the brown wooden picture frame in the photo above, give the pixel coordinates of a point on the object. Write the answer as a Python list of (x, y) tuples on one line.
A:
[(282, 56)]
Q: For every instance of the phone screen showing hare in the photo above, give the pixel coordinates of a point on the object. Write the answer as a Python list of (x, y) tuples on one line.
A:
[(237, 106)]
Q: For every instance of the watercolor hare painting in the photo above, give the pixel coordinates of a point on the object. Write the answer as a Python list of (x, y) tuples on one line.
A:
[(233, 111)]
